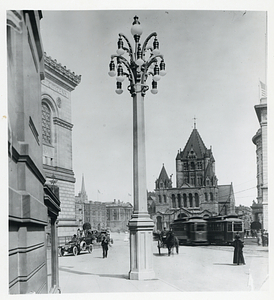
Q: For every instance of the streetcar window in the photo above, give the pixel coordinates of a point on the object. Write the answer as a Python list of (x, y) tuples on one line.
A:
[(218, 227), (238, 227), (200, 227), (229, 226)]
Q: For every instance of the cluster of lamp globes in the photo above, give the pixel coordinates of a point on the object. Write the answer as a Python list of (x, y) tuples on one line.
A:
[(136, 30)]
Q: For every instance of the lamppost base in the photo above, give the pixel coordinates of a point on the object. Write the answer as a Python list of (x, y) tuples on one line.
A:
[(141, 251)]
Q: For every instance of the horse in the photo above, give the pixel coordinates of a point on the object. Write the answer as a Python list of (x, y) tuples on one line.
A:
[(171, 242)]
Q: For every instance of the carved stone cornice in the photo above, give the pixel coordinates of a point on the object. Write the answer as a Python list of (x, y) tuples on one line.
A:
[(62, 123), (61, 71)]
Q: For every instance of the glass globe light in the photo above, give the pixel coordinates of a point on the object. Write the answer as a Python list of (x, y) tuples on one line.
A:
[(119, 91), (162, 72), (154, 91), (136, 28), (156, 51), (119, 88), (120, 51), (156, 77), (139, 61), (112, 73), (120, 78)]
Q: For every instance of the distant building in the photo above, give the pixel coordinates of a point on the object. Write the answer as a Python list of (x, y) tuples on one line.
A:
[(197, 192), (80, 202), (260, 209), (96, 215), (56, 138), (118, 215), (245, 213)]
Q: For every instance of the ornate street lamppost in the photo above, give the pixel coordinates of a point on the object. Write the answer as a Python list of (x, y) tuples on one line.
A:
[(141, 62)]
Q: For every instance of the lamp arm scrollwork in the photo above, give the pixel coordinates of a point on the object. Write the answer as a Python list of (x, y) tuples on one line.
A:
[(130, 51), (146, 41), (148, 64), (123, 60)]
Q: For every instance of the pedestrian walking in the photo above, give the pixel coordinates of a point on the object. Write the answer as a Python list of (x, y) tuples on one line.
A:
[(104, 245), (259, 238), (238, 257)]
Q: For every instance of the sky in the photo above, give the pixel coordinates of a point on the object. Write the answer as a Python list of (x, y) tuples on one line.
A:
[(214, 62)]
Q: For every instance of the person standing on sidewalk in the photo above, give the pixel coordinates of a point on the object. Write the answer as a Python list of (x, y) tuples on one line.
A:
[(238, 257), (104, 245)]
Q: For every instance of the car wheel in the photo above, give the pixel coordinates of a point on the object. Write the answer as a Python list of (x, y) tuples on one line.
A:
[(83, 246), (61, 252), (75, 251)]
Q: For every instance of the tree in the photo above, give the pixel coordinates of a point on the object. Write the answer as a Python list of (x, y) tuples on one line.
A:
[(86, 226)]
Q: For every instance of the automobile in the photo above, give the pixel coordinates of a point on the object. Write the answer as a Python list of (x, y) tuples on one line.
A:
[(75, 246)]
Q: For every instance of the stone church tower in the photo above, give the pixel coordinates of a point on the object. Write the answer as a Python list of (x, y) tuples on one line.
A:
[(197, 192), (57, 86)]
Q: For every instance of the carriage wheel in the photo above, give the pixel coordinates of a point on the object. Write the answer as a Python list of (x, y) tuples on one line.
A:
[(89, 248), (75, 251)]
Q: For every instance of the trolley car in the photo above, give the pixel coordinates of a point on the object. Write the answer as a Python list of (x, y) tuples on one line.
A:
[(220, 230), (192, 231)]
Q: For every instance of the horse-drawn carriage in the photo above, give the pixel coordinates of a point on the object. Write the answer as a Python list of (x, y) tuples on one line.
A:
[(168, 241)]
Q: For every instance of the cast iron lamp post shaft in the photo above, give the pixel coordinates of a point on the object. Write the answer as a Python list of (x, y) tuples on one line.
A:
[(140, 226)]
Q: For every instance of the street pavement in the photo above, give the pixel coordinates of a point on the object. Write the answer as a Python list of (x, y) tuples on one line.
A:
[(194, 269)]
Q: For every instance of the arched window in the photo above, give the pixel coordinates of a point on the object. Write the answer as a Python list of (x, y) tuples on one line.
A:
[(206, 198), (185, 200), (196, 200), (46, 124), (211, 196), (173, 201), (160, 199), (179, 200), (190, 200), (164, 198)]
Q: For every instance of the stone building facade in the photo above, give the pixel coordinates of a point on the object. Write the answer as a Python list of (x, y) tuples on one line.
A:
[(260, 209), (118, 215), (197, 192), (33, 205), (96, 214), (57, 86)]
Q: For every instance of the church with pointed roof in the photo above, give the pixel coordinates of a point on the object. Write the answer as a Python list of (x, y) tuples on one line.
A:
[(197, 192)]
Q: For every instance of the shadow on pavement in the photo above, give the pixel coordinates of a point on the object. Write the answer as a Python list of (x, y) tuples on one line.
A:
[(221, 264), (121, 276)]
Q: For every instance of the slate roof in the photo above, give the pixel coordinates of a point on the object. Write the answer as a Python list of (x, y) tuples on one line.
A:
[(163, 175), (224, 192), (196, 144)]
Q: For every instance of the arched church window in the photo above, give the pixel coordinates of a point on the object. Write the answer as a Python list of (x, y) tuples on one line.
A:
[(211, 196), (190, 200), (164, 198), (46, 124), (173, 201), (185, 200), (206, 198), (196, 200), (160, 199), (179, 200)]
